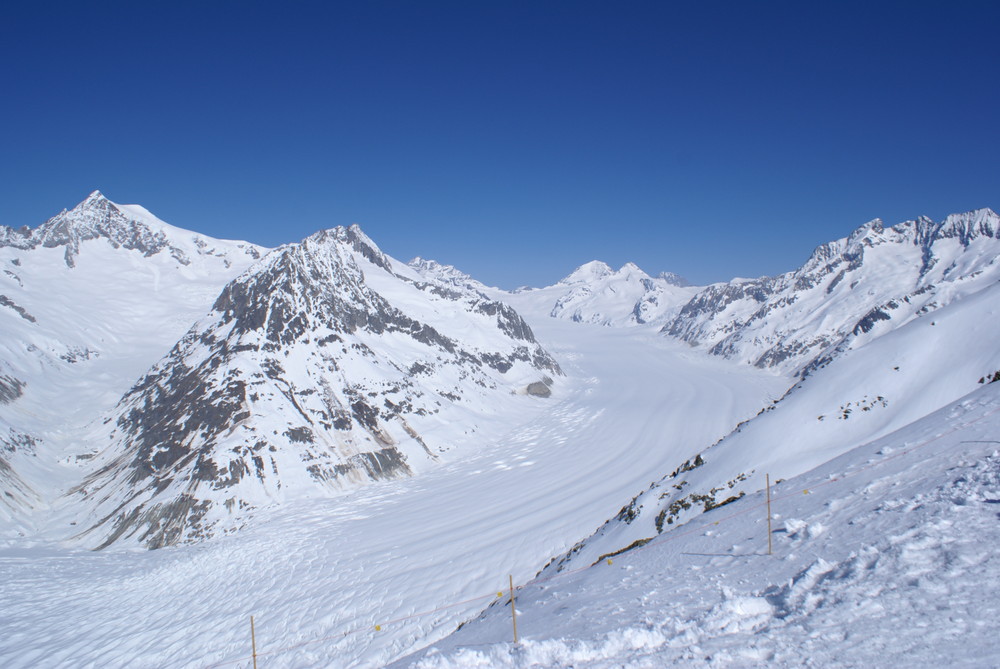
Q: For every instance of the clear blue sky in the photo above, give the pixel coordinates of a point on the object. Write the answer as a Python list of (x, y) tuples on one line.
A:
[(515, 140)]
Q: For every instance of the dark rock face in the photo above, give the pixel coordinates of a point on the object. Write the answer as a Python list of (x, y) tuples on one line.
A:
[(539, 389), (10, 388), (291, 376), (16, 495), (21, 311)]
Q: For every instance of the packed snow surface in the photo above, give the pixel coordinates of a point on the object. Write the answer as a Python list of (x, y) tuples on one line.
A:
[(882, 557), (320, 574)]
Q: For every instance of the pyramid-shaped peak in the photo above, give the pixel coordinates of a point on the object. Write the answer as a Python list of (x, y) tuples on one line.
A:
[(95, 200), (632, 268), (351, 237)]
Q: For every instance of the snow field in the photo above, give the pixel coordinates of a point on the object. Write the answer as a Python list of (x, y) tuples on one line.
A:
[(323, 572), (888, 559)]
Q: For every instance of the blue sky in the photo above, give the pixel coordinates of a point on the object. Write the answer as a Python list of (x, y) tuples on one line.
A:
[(513, 140)]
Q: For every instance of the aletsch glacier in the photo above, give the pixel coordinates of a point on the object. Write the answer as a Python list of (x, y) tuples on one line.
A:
[(158, 387)]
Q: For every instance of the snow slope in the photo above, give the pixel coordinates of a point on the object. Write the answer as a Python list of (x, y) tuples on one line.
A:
[(867, 393), (319, 574), (881, 557)]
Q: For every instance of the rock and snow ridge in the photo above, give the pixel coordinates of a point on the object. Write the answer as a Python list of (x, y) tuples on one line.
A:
[(850, 291), (129, 227)]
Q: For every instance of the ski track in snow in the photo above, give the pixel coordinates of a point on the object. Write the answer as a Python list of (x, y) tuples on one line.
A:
[(319, 575), (888, 559)]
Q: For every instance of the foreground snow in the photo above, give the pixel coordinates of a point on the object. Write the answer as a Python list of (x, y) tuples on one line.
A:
[(319, 575), (882, 556)]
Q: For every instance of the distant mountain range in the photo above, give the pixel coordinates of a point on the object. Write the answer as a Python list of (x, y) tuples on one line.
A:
[(157, 385)]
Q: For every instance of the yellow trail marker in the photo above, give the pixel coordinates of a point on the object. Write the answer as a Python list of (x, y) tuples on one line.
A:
[(609, 561), (499, 594), (805, 492), (378, 628)]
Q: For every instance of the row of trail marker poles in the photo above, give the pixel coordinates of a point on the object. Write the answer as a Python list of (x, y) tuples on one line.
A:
[(769, 551)]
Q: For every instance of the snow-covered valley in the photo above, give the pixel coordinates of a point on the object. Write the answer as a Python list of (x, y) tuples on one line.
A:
[(320, 568), (360, 453)]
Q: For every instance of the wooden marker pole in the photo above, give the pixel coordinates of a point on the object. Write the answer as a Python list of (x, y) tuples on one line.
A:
[(513, 614), (769, 552), (253, 643)]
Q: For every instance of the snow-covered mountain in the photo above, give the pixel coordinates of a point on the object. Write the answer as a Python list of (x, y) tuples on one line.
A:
[(88, 301), (447, 276), (861, 380), (596, 293), (866, 393), (325, 365), (849, 292)]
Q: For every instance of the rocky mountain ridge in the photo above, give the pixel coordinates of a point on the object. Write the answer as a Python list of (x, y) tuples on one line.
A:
[(848, 292)]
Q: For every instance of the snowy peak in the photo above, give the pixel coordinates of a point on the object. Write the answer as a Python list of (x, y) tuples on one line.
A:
[(588, 272), (674, 279), (89, 300), (596, 293), (123, 226), (971, 225), (446, 276)]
